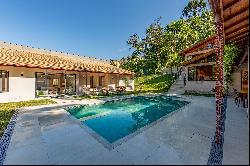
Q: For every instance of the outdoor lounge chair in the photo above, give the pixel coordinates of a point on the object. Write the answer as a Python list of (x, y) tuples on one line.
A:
[(86, 90), (121, 89), (130, 87), (111, 89)]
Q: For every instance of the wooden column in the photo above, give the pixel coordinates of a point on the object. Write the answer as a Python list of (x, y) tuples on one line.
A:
[(65, 82), (86, 79), (106, 80), (219, 48), (46, 81)]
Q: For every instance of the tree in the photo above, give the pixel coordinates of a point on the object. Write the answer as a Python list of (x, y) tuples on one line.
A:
[(174, 60), (231, 53), (161, 44), (194, 8), (149, 47)]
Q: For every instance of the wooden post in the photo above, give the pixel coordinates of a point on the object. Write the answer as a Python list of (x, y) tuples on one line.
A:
[(46, 81), (86, 79), (65, 82), (219, 48)]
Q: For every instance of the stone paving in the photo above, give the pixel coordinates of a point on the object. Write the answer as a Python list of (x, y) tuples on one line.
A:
[(49, 135)]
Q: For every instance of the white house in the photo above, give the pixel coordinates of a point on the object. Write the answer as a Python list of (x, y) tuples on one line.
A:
[(26, 71)]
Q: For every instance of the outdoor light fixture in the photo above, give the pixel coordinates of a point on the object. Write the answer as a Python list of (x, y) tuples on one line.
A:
[(21, 73)]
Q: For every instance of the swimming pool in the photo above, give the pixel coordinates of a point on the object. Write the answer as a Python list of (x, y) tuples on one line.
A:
[(116, 119)]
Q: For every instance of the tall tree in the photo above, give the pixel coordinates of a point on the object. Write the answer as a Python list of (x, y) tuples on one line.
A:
[(161, 44), (194, 8)]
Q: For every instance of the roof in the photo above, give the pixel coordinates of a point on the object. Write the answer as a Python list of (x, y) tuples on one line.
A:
[(235, 16), (198, 57), (199, 52), (24, 56), (198, 45)]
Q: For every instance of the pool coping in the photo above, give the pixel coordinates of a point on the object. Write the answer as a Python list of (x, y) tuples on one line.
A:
[(111, 146)]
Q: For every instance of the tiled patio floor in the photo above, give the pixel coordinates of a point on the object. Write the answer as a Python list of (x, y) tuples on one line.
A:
[(47, 135)]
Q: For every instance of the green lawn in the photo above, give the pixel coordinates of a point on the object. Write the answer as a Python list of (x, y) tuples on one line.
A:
[(153, 83), (7, 110)]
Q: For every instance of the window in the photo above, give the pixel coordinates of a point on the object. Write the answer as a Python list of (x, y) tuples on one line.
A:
[(91, 81), (101, 80), (210, 45), (204, 73), (70, 83), (192, 73), (244, 80), (55, 81), (211, 58), (189, 57), (4, 81), (40, 81), (201, 73)]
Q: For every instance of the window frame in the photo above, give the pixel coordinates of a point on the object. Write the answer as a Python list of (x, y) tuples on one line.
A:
[(195, 77), (4, 88)]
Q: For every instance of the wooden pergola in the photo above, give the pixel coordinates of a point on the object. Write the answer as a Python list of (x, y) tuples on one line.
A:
[(234, 15), (232, 26)]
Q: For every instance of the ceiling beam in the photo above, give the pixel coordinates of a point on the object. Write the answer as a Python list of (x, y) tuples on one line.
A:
[(237, 29), (241, 44), (237, 13), (237, 34), (237, 22), (230, 4), (238, 38), (242, 41)]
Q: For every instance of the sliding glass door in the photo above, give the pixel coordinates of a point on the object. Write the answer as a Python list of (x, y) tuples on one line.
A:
[(70, 83)]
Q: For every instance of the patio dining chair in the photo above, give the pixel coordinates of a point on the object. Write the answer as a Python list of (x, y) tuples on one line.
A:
[(130, 87), (237, 98)]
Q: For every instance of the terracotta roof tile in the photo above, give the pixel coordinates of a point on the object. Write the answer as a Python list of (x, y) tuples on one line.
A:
[(19, 57)]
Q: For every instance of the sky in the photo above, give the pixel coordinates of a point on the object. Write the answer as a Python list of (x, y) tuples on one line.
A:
[(94, 28)]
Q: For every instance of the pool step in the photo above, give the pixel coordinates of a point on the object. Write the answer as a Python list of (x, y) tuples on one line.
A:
[(94, 116)]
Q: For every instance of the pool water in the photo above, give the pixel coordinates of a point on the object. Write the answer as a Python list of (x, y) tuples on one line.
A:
[(117, 119)]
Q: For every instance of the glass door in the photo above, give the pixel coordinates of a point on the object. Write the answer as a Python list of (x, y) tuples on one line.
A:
[(70, 83), (101, 80)]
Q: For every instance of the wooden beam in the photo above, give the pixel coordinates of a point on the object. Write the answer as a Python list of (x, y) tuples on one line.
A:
[(237, 29), (242, 44), (237, 35), (230, 4), (243, 39), (237, 22), (236, 14), (244, 57), (240, 38)]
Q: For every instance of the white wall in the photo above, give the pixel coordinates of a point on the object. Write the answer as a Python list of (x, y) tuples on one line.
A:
[(200, 86), (236, 77), (20, 87)]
